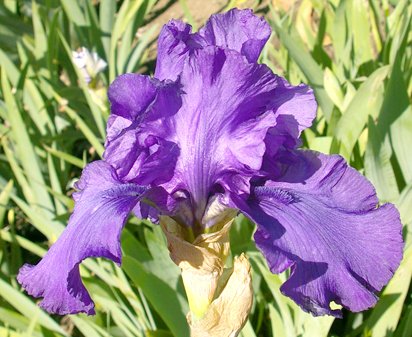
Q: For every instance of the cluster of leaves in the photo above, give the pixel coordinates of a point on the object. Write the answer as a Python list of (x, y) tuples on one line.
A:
[(356, 55)]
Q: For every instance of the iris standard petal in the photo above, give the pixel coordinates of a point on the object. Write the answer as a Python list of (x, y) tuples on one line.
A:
[(141, 158), (295, 108), (102, 207), (296, 105), (239, 30), (131, 94), (220, 128), (139, 104), (176, 41), (320, 218), (140, 98)]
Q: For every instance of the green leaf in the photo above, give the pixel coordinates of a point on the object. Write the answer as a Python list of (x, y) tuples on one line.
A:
[(93, 29), (276, 321), (125, 15), (404, 203), (55, 189), (50, 229), (333, 88), (366, 102), (27, 307), (32, 98), (284, 305), (23, 243), (404, 327), (66, 157), (241, 233), (378, 166), (88, 328), (158, 333), (399, 23), (39, 33), (74, 12), (129, 327), (140, 49), (187, 14), (25, 150), (107, 18), (18, 172), (316, 326), (97, 113), (161, 296), (339, 30), (404, 206), (396, 119), (401, 138), (309, 67), (87, 132), (17, 321), (247, 330), (360, 28), (162, 265), (321, 144), (4, 200), (385, 316)]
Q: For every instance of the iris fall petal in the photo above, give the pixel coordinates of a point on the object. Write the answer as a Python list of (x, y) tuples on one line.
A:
[(321, 219), (102, 207)]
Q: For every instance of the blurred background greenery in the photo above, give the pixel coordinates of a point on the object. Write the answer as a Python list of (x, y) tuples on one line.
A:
[(357, 56)]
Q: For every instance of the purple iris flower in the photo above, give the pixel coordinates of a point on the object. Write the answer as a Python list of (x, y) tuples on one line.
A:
[(212, 132)]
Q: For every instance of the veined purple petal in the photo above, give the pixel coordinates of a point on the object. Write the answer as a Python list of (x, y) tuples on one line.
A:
[(102, 207), (141, 158), (320, 219), (239, 30), (225, 114), (176, 42), (131, 146), (130, 95), (140, 98), (295, 108)]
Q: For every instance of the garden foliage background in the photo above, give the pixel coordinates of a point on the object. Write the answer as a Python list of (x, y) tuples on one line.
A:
[(357, 56)]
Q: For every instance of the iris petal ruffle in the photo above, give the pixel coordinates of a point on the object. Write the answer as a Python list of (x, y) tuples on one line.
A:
[(320, 219), (176, 42), (102, 207), (237, 30), (295, 109), (139, 104), (140, 98)]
